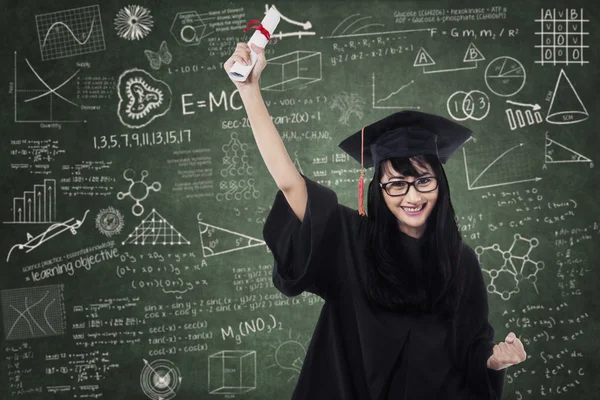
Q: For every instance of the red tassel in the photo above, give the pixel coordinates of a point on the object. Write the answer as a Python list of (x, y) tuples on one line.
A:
[(361, 180), (361, 194)]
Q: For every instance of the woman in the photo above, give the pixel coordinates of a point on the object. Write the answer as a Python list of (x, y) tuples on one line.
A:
[(406, 312)]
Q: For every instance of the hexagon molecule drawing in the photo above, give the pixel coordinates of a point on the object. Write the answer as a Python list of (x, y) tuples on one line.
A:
[(138, 190), (516, 266)]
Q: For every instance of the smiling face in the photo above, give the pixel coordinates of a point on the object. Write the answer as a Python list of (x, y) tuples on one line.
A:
[(412, 209)]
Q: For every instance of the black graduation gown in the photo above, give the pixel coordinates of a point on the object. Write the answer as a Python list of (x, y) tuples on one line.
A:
[(362, 352)]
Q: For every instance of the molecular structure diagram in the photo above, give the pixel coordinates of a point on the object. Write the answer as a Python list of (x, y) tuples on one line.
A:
[(235, 159), (138, 190), (516, 267)]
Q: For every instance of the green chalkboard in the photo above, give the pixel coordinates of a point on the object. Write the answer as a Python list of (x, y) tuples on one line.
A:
[(134, 195)]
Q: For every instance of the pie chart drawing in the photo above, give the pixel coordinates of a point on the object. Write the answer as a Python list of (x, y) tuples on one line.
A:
[(505, 76)]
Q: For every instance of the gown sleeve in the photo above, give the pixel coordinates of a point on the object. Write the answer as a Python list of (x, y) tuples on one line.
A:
[(483, 382), (303, 251)]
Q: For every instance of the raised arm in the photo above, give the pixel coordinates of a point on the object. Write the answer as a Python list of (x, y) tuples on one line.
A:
[(269, 143)]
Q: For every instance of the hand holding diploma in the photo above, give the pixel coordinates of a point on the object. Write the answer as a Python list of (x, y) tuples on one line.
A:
[(248, 60), (242, 55)]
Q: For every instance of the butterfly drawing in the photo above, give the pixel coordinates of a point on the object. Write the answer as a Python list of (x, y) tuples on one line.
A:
[(161, 56)]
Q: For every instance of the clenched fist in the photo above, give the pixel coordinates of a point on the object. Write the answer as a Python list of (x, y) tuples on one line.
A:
[(507, 353), (242, 55)]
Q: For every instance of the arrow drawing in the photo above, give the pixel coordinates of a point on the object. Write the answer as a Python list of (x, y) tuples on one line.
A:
[(52, 231), (535, 107)]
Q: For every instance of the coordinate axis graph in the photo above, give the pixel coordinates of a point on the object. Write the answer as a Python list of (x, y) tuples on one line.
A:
[(390, 101), (60, 23), (70, 32), (49, 91), (471, 183), (33, 312)]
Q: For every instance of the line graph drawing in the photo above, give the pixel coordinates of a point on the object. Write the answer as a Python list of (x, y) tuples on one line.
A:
[(37, 206), (216, 240), (30, 113), (471, 183), (33, 312), (54, 230), (60, 23), (389, 101), (70, 32), (50, 90)]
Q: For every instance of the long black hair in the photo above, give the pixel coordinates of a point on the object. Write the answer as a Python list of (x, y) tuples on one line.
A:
[(392, 281)]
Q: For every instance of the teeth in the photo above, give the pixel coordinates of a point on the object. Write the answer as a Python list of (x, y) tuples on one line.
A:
[(414, 209)]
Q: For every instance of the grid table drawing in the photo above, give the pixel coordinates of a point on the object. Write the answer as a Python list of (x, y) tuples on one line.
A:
[(562, 36), (70, 32), (33, 312)]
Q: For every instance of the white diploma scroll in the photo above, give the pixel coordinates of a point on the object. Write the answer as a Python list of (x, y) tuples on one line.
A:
[(239, 72)]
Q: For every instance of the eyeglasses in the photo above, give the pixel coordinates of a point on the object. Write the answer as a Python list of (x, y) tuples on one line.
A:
[(400, 188)]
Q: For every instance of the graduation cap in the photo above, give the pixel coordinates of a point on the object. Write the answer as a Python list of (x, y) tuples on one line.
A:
[(403, 134)]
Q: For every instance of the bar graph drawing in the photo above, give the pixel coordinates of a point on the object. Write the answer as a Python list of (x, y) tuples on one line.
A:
[(37, 206)]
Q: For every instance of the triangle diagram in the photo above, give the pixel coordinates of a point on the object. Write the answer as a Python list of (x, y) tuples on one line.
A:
[(216, 240), (555, 152), (423, 59), (473, 54), (155, 229)]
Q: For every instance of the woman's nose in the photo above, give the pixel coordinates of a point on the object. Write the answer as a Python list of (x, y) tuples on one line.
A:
[(413, 195)]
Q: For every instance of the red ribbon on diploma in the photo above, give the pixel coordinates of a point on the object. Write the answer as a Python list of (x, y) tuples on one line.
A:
[(259, 27)]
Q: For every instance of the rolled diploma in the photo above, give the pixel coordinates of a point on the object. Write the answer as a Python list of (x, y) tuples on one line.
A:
[(239, 72)]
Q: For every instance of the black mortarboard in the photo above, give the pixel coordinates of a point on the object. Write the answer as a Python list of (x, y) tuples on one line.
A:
[(404, 134)]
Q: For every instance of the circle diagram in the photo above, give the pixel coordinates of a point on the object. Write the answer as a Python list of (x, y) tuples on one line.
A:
[(160, 379), (505, 76)]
